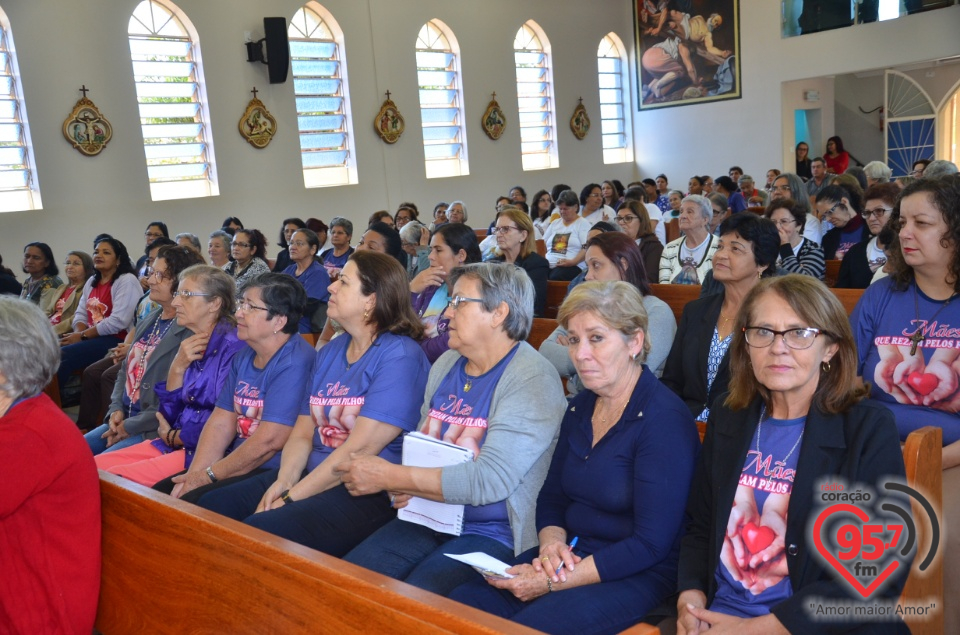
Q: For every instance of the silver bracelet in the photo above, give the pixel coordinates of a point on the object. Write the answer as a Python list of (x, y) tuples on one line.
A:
[(549, 584), (213, 477)]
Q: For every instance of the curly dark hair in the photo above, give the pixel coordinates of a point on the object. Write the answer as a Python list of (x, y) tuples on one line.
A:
[(761, 233), (944, 194), (178, 258)]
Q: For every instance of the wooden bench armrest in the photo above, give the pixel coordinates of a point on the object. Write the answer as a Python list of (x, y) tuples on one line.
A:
[(641, 629)]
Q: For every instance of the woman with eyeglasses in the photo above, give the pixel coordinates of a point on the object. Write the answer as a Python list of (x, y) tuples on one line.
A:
[(491, 394), (516, 246), (797, 254), (305, 269), (795, 402), (592, 207), (204, 306), (634, 221), (131, 416), (262, 395), (867, 257), (405, 213), (365, 390), (802, 152), (842, 205), (249, 251)]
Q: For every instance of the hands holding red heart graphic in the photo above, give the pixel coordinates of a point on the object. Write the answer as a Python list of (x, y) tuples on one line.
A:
[(911, 380), (753, 545)]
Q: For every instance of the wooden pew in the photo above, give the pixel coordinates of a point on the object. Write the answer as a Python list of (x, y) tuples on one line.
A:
[(541, 247), (922, 458), (172, 567), (832, 273), (676, 295), (556, 292), (672, 230), (480, 234), (541, 330)]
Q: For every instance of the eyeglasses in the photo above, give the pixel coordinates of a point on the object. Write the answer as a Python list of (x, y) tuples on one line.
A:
[(297, 243), (246, 306), (784, 222), (783, 189), (152, 234), (190, 294), (916, 173), (159, 275), (240, 244), (595, 195), (629, 218), (457, 300), (879, 212), (831, 211), (797, 339), (719, 212), (505, 229)]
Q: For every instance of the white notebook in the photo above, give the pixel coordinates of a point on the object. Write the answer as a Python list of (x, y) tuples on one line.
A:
[(420, 450)]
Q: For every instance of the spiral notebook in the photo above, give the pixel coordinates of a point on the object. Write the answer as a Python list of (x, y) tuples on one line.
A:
[(420, 450)]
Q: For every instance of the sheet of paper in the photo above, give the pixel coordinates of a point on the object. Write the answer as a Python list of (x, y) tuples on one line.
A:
[(420, 450), (485, 564)]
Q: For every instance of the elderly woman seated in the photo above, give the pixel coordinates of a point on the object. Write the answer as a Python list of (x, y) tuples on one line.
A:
[(494, 395), (687, 259), (204, 303), (262, 395), (610, 512), (795, 402), (50, 503), (797, 254), (366, 388)]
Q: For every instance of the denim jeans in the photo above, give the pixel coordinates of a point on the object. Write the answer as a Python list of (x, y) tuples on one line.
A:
[(602, 607), (80, 355), (239, 500), (98, 445), (415, 554)]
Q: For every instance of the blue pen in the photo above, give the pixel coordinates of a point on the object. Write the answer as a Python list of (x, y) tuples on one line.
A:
[(573, 543)]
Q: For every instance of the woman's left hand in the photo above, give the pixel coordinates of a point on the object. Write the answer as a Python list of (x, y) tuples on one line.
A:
[(552, 555), (527, 583), (119, 434), (363, 474), (163, 427), (69, 338), (719, 623)]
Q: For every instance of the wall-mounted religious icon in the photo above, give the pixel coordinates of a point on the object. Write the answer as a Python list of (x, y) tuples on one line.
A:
[(493, 121), (86, 128), (580, 122), (389, 122), (257, 125)]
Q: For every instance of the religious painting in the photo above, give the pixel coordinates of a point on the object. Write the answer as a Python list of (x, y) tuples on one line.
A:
[(580, 121), (389, 122), (257, 125), (86, 128), (493, 121), (689, 51)]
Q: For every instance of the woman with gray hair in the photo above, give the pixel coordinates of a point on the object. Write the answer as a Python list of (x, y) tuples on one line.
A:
[(621, 439), (687, 259), (218, 248), (494, 395), (877, 172), (51, 492), (415, 241), (186, 239), (341, 231)]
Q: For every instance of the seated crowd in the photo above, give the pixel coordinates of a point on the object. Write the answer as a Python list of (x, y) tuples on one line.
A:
[(585, 471)]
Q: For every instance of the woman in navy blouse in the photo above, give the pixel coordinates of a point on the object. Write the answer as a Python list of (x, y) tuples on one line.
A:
[(610, 512)]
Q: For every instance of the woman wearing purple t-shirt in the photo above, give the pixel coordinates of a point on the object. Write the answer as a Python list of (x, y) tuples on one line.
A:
[(793, 417)]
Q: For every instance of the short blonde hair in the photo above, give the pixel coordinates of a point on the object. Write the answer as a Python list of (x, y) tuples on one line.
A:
[(618, 304)]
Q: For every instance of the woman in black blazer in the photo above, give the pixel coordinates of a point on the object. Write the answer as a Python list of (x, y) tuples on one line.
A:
[(516, 244), (697, 369), (793, 418)]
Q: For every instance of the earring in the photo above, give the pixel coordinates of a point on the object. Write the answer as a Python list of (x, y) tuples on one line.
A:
[(825, 367), (759, 275), (275, 332), (366, 314)]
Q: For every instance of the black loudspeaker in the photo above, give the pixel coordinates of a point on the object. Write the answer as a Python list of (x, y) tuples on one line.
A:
[(278, 49)]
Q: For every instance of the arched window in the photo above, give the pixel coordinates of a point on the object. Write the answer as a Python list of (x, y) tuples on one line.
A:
[(19, 189), (614, 117), (441, 101), (531, 51), (323, 102), (170, 91)]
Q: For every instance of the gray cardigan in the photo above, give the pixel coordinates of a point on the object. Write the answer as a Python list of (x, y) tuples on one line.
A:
[(145, 422), (523, 425)]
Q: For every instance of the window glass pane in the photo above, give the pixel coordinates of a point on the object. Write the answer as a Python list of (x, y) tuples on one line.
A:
[(613, 123), (441, 99), (534, 99), (18, 186), (323, 118)]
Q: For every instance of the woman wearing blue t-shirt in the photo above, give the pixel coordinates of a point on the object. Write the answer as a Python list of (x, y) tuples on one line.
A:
[(261, 397), (493, 394), (794, 416), (365, 389), (909, 343), (303, 247), (610, 513)]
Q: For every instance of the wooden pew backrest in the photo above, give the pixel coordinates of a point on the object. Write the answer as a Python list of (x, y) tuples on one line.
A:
[(172, 567)]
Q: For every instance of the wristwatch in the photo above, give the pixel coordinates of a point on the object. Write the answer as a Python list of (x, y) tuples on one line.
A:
[(83, 336), (213, 477)]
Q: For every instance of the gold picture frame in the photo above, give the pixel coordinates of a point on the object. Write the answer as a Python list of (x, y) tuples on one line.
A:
[(257, 125), (494, 122), (85, 128), (389, 122), (580, 121)]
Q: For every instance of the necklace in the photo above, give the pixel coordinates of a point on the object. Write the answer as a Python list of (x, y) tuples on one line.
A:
[(763, 411), (724, 317), (603, 420), (918, 336), (151, 344)]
